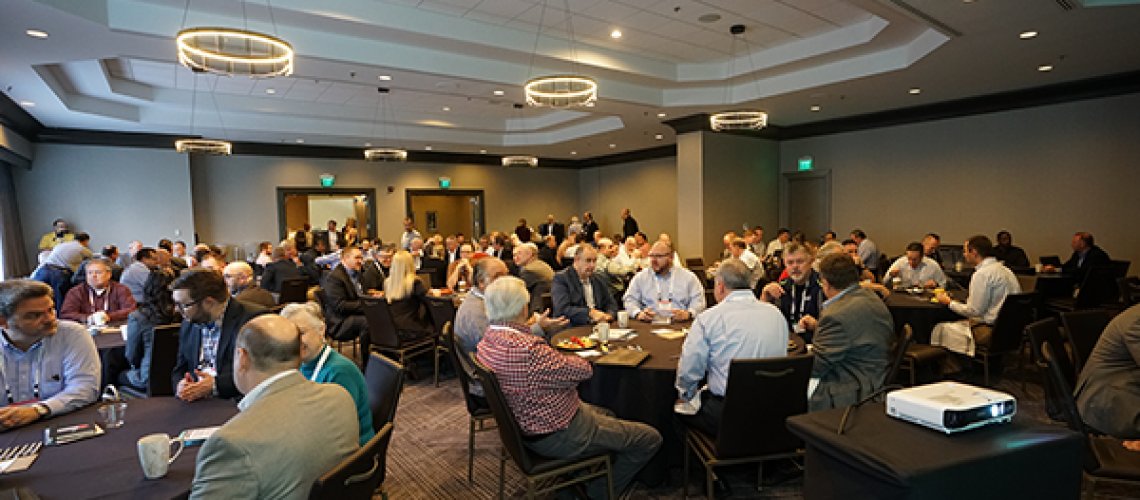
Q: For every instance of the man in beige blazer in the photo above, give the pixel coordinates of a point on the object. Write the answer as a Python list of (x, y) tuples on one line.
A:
[(290, 431)]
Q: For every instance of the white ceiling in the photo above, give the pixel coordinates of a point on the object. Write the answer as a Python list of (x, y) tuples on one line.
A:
[(111, 65)]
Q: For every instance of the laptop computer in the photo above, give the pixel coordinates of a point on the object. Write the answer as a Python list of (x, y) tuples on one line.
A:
[(1051, 260)]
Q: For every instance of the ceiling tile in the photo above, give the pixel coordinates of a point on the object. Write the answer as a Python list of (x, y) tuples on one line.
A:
[(444, 8), (645, 21), (786, 18), (485, 17), (842, 13), (609, 11), (504, 8)]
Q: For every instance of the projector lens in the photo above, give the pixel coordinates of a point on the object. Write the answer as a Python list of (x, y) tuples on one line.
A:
[(996, 410)]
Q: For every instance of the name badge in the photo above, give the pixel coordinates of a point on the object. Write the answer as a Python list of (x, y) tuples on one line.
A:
[(665, 307)]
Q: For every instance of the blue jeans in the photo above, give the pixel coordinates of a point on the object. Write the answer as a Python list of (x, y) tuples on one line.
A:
[(590, 431)]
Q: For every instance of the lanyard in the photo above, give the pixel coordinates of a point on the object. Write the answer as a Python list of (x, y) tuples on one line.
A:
[(657, 283), (106, 296), (208, 358), (37, 360), (321, 363)]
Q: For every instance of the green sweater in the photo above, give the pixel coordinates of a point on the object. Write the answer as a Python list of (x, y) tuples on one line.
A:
[(340, 370)]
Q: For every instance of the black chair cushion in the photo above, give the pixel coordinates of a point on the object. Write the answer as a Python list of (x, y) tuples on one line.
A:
[(923, 354)]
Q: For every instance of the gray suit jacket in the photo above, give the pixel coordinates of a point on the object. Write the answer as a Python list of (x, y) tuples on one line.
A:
[(569, 297), (852, 349), (538, 277), (1108, 392), (294, 432)]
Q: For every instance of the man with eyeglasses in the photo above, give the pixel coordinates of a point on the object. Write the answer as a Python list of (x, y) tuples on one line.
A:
[(240, 282), (664, 289), (48, 367), (210, 323)]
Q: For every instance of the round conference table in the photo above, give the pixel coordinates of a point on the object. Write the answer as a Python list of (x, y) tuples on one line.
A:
[(108, 466), (645, 393), (920, 313)]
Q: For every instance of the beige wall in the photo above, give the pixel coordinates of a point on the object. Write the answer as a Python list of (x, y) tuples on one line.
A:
[(648, 188), (740, 182), (114, 194), (453, 214), (235, 196), (1042, 173)]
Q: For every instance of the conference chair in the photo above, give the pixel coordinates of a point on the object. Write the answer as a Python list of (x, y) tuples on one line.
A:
[(385, 381), (762, 395), (1048, 332), (382, 333), (1098, 289), (902, 343), (293, 290), (163, 357), (479, 412), (442, 314), (536, 468), (1008, 330), (1107, 460), (1129, 290), (1084, 329), (359, 475), (426, 279)]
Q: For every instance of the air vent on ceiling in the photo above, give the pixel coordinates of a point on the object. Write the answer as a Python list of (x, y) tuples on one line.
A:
[(1067, 5)]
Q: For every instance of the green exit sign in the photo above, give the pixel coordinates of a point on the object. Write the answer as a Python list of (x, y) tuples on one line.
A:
[(328, 180), (445, 182), (805, 164)]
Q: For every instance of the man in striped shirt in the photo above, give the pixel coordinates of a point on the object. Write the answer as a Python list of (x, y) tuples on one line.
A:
[(540, 386)]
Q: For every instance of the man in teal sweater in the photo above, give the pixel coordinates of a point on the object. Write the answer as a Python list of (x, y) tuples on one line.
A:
[(322, 364)]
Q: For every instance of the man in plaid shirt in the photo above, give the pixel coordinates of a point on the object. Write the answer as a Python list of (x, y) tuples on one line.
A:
[(540, 386)]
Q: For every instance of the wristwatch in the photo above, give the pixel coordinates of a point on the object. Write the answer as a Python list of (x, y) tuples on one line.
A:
[(42, 410)]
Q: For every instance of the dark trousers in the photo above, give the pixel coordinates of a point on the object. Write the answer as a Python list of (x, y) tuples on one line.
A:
[(708, 419)]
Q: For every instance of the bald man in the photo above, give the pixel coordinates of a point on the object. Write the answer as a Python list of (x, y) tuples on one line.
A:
[(538, 275), (258, 454), (664, 289), (240, 282)]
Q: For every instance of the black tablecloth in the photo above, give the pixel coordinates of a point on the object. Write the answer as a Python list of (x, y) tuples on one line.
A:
[(882, 458), (108, 466), (646, 393), (920, 313)]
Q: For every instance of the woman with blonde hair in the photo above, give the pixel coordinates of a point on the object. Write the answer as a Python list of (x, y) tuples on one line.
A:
[(406, 296)]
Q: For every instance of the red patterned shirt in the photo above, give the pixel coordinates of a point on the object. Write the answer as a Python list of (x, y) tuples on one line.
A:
[(539, 383)]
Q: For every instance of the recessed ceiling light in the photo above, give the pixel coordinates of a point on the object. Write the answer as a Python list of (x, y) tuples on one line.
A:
[(385, 77), (428, 147), (447, 108), (916, 90), (615, 34), (37, 33), (299, 141), (270, 91), (1028, 34), (709, 18), (573, 152), (499, 92), (368, 144), (1045, 67), (482, 151), (661, 115), (613, 146), (28, 104), (659, 137), (815, 108)]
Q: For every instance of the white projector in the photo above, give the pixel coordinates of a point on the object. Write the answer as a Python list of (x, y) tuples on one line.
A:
[(951, 407)]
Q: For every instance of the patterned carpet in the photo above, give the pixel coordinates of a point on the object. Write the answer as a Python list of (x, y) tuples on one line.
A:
[(427, 459)]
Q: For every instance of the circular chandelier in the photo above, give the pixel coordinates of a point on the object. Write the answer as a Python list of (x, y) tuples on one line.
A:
[(520, 161), (231, 52), (203, 146), (561, 91), (738, 120), (385, 154)]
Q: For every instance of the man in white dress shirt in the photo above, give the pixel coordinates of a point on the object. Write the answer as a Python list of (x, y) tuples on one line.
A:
[(991, 283), (741, 252), (664, 289), (913, 269), (738, 327)]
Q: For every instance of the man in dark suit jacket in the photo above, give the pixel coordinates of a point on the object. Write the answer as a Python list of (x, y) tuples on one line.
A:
[(569, 291), (589, 227), (552, 228), (450, 251), (852, 339), (629, 224), (240, 282), (303, 238), (210, 324), (425, 263), (1086, 255), (286, 265), (342, 291), (334, 240)]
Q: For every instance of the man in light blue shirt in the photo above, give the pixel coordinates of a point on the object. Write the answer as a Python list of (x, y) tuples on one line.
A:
[(868, 252), (664, 289), (410, 234), (738, 327), (48, 367), (913, 269)]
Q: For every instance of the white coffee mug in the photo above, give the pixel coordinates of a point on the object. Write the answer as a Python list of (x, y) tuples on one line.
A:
[(623, 319), (1038, 267), (603, 330), (154, 454)]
